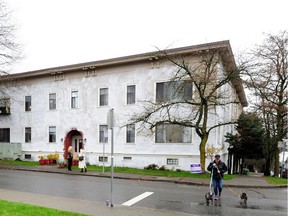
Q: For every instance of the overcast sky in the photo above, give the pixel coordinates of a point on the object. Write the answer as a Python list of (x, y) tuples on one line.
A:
[(62, 32)]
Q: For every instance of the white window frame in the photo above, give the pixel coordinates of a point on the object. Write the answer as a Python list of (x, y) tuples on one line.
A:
[(173, 91), (130, 133), (167, 133), (52, 132), (74, 99), (28, 134), (52, 101), (131, 94), (103, 133), (103, 96)]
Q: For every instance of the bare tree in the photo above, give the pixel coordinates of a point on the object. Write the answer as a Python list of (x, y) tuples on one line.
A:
[(9, 48), (268, 78), (201, 90)]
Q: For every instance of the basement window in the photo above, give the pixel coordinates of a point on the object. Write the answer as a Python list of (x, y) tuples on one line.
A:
[(172, 161), (101, 159), (27, 156)]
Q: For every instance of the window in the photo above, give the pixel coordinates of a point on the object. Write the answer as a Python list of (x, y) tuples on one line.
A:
[(131, 93), (177, 91), (130, 133), (169, 133), (4, 134), (27, 156), (28, 103), (52, 134), (127, 158), (4, 106), (101, 159), (103, 134), (104, 97), (74, 99), (172, 161), (28, 134), (52, 101)]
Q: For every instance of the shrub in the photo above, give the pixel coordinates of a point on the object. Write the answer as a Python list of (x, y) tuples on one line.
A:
[(151, 167), (245, 171), (163, 168)]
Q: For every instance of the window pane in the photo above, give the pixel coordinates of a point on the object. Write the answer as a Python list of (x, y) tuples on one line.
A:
[(52, 134), (28, 134), (103, 134), (74, 99), (130, 133), (104, 97), (172, 161), (5, 106), (167, 133), (173, 91), (131, 94), (159, 92), (4, 134), (52, 101), (28, 103)]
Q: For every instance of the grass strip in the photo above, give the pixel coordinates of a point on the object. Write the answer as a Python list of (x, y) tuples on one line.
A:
[(20, 209)]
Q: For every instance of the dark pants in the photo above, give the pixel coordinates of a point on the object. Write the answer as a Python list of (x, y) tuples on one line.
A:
[(70, 163)]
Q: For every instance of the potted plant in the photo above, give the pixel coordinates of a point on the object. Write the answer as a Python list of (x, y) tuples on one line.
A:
[(46, 161), (55, 158), (41, 159), (61, 165), (50, 158)]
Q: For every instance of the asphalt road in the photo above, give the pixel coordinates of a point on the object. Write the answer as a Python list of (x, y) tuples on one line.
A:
[(154, 195)]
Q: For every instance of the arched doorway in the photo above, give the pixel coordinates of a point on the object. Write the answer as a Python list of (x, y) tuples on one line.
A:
[(73, 138)]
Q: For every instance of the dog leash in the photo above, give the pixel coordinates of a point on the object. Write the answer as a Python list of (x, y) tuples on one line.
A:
[(211, 182), (237, 194)]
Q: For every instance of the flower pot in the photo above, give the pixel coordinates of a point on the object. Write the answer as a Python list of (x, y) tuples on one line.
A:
[(46, 161), (41, 162), (51, 161)]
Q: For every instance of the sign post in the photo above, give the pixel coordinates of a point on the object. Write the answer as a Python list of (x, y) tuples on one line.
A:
[(111, 126)]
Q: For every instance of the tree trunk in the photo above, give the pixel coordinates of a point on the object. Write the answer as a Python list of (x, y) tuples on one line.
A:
[(277, 164), (267, 167), (202, 152)]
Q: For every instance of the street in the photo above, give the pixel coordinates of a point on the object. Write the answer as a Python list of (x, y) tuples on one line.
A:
[(154, 195)]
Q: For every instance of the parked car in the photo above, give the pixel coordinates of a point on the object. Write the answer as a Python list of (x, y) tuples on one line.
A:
[(284, 171)]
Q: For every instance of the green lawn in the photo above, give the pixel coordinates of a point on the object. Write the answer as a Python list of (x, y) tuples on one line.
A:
[(276, 180), (19, 209)]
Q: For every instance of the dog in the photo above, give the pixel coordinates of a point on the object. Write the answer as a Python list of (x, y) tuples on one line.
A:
[(243, 199), (209, 198)]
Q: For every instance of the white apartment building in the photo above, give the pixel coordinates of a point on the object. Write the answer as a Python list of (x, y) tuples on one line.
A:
[(48, 110)]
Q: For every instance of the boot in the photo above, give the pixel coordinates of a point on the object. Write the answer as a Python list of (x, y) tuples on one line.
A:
[(81, 170), (85, 169)]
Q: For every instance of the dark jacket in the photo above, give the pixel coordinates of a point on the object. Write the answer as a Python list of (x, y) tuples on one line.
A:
[(221, 166)]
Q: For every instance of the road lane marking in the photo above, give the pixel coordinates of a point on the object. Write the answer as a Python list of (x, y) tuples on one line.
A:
[(137, 199)]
